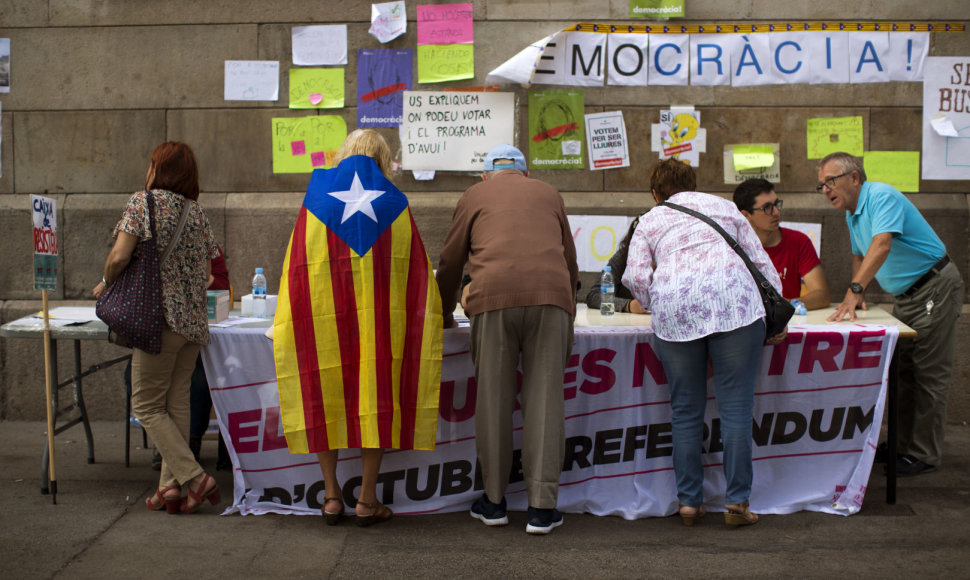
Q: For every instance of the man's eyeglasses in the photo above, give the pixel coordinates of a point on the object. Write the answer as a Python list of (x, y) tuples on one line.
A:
[(769, 208), (830, 182)]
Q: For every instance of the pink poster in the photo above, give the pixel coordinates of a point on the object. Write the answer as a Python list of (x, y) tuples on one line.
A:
[(445, 24)]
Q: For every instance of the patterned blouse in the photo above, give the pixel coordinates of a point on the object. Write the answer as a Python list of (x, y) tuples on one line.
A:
[(184, 273), (688, 276)]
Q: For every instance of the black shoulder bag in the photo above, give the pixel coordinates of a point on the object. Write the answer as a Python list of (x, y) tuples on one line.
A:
[(778, 311)]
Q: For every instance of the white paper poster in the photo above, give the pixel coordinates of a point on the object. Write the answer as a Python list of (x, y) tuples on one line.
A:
[(252, 80), (596, 238), (453, 131), (388, 21), (751, 61), (946, 117), (669, 57), (679, 135), (606, 140), (907, 55), (4, 65), (710, 59), (869, 57), (316, 45), (627, 58)]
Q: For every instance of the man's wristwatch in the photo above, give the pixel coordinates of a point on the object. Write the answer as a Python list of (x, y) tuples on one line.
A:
[(856, 288)]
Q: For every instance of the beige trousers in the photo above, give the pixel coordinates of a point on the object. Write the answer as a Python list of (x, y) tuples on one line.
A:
[(543, 335), (160, 386)]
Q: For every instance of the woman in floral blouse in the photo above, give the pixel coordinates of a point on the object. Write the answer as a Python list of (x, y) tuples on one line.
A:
[(705, 304), (160, 382)]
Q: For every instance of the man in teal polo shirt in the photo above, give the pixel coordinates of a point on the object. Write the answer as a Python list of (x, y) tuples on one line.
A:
[(892, 243)]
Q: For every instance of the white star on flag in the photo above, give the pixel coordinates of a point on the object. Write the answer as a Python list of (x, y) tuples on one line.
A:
[(357, 199)]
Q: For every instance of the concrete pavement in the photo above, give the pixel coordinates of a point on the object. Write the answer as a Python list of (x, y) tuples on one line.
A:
[(99, 528)]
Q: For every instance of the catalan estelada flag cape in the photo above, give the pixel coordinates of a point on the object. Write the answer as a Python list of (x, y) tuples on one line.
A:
[(358, 328)]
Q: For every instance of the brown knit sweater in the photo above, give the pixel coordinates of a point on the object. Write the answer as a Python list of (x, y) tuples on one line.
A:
[(513, 233)]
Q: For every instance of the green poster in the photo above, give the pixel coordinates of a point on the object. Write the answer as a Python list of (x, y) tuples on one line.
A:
[(439, 63), (899, 169), (829, 135), (302, 144), (557, 129), (656, 8), (748, 157), (316, 88)]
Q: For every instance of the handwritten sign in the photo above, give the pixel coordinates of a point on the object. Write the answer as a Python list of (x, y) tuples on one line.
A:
[(606, 140), (252, 80), (834, 134), (315, 45), (946, 100), (453, 131), (44, 217), (899, 169), (596, 238), (316, 88), (752, 155), (446, 62), (445, 24), (301, 144), (748, 157), (388, 21)]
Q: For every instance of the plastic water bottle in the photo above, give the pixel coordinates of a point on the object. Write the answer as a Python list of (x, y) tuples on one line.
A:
[(606, 292), (800, 309), (259, 294)]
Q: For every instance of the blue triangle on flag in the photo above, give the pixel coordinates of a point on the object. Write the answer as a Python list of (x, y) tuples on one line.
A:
[(349, 197)]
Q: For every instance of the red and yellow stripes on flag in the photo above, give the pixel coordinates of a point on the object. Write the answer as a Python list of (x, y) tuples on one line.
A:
[(357, 341)]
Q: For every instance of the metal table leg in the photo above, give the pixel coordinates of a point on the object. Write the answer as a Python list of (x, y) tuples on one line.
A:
[(82, 417), (79, 400)]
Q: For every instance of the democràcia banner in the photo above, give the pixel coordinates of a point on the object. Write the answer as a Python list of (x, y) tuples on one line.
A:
[(591, 55)]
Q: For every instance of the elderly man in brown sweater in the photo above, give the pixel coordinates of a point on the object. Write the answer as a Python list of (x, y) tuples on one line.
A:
[(513, 234)]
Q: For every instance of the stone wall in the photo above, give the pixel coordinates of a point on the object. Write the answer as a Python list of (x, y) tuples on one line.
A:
[(96, 84)]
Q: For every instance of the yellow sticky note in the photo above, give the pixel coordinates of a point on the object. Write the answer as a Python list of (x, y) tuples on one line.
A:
[(302, 144), (834, 134), (899, 169), (747, 157), (439, 63), (316, 88)]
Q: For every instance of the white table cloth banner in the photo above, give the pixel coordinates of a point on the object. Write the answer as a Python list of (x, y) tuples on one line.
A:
[(818, 409)]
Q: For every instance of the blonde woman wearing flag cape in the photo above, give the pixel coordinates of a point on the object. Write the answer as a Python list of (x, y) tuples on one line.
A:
[(358, 329)]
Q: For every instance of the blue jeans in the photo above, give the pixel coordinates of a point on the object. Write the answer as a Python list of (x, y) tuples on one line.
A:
[(735, 356)]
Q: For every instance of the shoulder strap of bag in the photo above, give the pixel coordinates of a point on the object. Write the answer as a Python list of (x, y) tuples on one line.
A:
[(178, 231), (759, 278)]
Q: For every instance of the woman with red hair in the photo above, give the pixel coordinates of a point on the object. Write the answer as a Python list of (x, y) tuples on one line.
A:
[(160, 382)]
